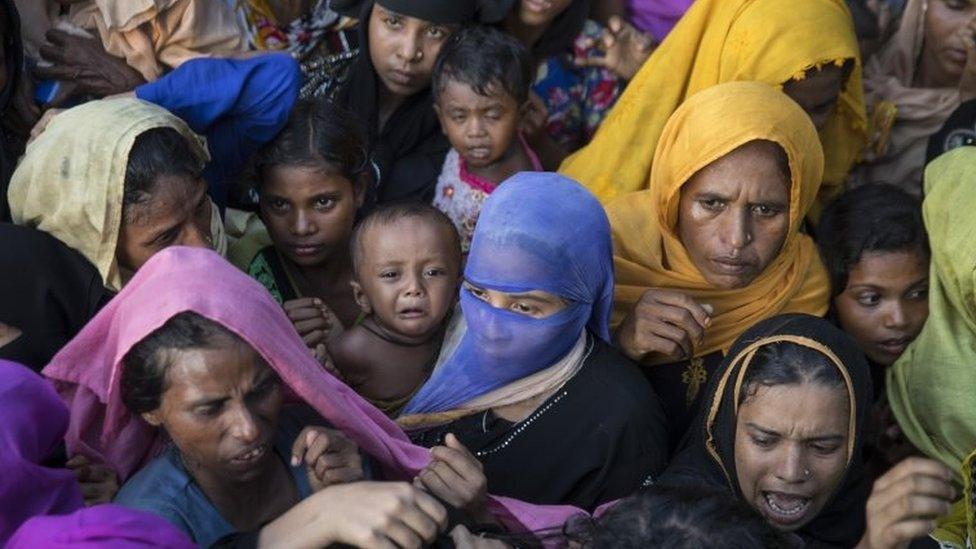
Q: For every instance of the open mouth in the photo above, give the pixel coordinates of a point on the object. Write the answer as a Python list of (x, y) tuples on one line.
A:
[(785, 509), (411, 313), (252, 456), (538, 6)]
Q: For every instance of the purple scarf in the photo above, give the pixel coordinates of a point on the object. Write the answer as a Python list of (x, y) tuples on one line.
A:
[(657, 17)]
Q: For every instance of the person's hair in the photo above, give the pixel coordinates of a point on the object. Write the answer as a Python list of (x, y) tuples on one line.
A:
[(159, 152), (678, 517), (391, 213), (318, 134), (144, 367), (786, 363), (870, 218), (487, 60)]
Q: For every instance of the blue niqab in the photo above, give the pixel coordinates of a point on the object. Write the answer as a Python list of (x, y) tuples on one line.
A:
[(537, 231)]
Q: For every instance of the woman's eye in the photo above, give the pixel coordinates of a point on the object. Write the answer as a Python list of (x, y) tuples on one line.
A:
[(434, 272), (523, 308), (711, 204), (324, 203), (764, 210), (957, 5), (825, 449), (166, 238), (436, 32), (277, 204), (480, 294), (393, 21), (763, 442), (208, 411), (869, 300)]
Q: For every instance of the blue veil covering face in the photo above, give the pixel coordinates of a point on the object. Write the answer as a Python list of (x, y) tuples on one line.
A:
[(537, 231)]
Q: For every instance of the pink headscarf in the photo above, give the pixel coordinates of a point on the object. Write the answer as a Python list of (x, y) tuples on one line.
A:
[(32, 422), (87, 372)]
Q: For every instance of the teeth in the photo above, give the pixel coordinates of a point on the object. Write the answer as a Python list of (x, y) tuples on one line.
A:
[(794, 509), (252, 454)]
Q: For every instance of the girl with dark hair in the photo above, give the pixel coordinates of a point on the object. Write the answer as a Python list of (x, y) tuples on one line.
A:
[(311, 181)]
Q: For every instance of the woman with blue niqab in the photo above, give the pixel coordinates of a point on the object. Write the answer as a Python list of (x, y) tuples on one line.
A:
[(527, 380)]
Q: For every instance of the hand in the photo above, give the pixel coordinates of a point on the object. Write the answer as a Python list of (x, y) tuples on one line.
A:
[(967, 82), (329, 456), (85, 67), (905, 502), (624, 49), (664, 326), (457, 477), (98, 483), (382, 515), (314, 321)]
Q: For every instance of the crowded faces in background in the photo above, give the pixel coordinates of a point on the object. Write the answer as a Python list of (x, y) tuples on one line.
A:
[(484, 274)]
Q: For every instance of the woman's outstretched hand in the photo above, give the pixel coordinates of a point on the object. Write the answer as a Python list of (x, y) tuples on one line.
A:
[(905, 502), (330, 457), (664, 326), (457, 477), (374, 515)]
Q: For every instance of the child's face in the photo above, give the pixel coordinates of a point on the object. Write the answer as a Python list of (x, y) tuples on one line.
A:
[(482, 129), (408, 275), (309, 212), (885, 303)]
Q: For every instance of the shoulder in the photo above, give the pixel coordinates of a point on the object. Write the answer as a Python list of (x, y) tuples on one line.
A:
[(351, 353), (616, 385), (162, 488)]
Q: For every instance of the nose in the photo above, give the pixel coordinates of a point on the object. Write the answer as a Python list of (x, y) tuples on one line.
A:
[(737, 229), (792, 467), (196, 236), (475, 127), (895, 316), (414, 286), (301, 224), (492, 328), (409, 49), (244, 425)]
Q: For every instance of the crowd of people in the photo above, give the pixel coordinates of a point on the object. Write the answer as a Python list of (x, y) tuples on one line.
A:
[(488, 273)]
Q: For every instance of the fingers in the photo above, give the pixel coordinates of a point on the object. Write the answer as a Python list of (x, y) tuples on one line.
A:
[(906, 531), (316, 322), (315, 338), (77, 461), (913, 467), (676, 324), (432, 509), (302, 303), (457, 457), (435, 484), (404, 535), (678, 299)]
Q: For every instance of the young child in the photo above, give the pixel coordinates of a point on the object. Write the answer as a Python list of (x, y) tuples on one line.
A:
[(311, 180), (407, 263), (481, 87)]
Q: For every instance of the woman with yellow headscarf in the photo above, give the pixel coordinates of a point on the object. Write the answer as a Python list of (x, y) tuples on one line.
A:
[(807, 48), (713, 246)]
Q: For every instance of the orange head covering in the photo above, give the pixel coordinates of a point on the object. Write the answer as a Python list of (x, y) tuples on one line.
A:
[(647, 251), (771, 41)]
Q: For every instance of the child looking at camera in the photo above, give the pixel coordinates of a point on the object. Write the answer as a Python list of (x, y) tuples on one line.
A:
[(406, 263), (481, 85)]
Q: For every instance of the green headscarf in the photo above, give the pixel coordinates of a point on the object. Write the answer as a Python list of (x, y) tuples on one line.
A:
[(932, 387)]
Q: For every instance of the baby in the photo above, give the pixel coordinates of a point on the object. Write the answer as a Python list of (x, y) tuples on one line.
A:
[(481, 86), (406, 263)]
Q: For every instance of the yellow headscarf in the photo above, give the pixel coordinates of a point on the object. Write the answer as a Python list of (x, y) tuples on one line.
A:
[(771, 41), (71, 180), (932, 387), (647, 251)]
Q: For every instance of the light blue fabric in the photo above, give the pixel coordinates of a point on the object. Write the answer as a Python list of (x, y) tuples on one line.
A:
[(537, 231), (165, 488)]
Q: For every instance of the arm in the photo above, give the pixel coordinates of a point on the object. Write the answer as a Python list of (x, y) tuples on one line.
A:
[(238, 104)]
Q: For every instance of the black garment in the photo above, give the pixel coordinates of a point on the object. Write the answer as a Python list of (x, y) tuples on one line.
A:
[(14, 60), (841, 522), (681, 386), (958, 131), (597, 439), (47, 290), (409, 150)]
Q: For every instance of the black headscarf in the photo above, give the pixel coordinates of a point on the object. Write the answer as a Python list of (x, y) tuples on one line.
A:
[(708, 456), (47, 290), (409, 151), (14, 52)]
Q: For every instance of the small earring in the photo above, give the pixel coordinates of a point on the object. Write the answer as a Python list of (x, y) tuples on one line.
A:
[(806, 473)]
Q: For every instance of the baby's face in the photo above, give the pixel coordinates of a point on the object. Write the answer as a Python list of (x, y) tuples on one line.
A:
[(409, 274), (482, 129)]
